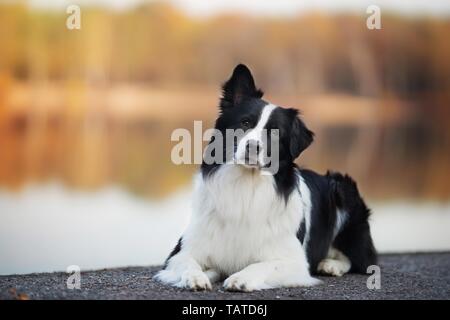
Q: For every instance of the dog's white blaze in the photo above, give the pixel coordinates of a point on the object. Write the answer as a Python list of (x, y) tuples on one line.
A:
[(242, 229), (265, 115), (256, 134)]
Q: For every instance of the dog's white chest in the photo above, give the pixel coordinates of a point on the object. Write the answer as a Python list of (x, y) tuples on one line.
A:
[(239, 219)]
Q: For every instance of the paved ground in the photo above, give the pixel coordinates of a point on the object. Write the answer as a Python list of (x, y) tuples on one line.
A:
[(411, 276)]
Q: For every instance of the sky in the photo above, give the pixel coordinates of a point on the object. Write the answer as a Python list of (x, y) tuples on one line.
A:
[(205, 8)]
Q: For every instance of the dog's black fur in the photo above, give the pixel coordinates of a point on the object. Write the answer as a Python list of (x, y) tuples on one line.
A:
[(328, 193)]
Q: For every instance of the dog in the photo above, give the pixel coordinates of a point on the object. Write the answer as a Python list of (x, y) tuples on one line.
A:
[(259, 231)]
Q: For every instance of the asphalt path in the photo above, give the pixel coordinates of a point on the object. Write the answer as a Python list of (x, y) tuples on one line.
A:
[(402, 276)]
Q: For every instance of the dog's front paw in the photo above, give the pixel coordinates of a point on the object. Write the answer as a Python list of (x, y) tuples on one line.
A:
[(243, 282), (195, 280), (332, 267)]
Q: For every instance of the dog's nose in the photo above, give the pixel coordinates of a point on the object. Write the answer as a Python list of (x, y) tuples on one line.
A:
[(252, 147)]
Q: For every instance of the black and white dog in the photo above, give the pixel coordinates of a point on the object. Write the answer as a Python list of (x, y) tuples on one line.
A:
[(260, 231)]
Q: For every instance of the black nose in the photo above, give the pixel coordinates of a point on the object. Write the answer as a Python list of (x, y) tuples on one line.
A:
[(252, 148)]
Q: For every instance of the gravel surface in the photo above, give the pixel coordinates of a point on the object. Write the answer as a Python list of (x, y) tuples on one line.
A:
[(403, 276)]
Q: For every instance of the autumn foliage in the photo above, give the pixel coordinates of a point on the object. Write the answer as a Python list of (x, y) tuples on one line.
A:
[(96, 106)]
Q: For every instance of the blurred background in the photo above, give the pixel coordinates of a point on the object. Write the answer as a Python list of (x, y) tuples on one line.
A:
[(86, 116)]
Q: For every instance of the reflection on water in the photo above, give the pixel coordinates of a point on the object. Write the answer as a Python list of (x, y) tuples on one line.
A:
[(47, 228), (391, 154)]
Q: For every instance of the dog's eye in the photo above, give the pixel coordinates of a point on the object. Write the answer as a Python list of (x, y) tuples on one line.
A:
[(245, 123)]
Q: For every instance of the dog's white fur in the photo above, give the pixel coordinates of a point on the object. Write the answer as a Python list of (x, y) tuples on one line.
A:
[(242, 229)]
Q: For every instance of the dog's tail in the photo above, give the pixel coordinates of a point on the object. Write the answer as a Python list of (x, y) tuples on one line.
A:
[(346, 193)]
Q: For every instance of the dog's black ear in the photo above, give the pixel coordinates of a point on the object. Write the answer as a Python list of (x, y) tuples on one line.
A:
[(238, 87), (301, 136)]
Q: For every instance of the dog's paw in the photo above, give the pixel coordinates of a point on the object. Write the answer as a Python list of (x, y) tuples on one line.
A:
[(332, 267), (195, 280), (166, 277), (243, 282)]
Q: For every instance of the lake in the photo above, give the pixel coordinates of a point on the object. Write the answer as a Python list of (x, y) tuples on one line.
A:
[(46, 228)]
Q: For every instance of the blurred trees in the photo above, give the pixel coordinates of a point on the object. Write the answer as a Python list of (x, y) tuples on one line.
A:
[(154, 43), (401, 73)]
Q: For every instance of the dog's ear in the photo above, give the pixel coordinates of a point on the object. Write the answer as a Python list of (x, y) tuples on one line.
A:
[(238, 87), (301, 136)]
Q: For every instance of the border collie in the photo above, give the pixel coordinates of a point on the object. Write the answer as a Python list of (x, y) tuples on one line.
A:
[(259, 231)]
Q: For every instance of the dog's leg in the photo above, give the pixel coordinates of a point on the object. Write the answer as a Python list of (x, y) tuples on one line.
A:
[(270, 274), (184, 271), (354, 239), (335, 264)]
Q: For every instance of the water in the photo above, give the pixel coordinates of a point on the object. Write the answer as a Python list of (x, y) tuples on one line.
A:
[(47, 228)]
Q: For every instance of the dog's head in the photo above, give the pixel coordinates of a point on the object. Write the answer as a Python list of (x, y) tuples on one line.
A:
[(257, 133)]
